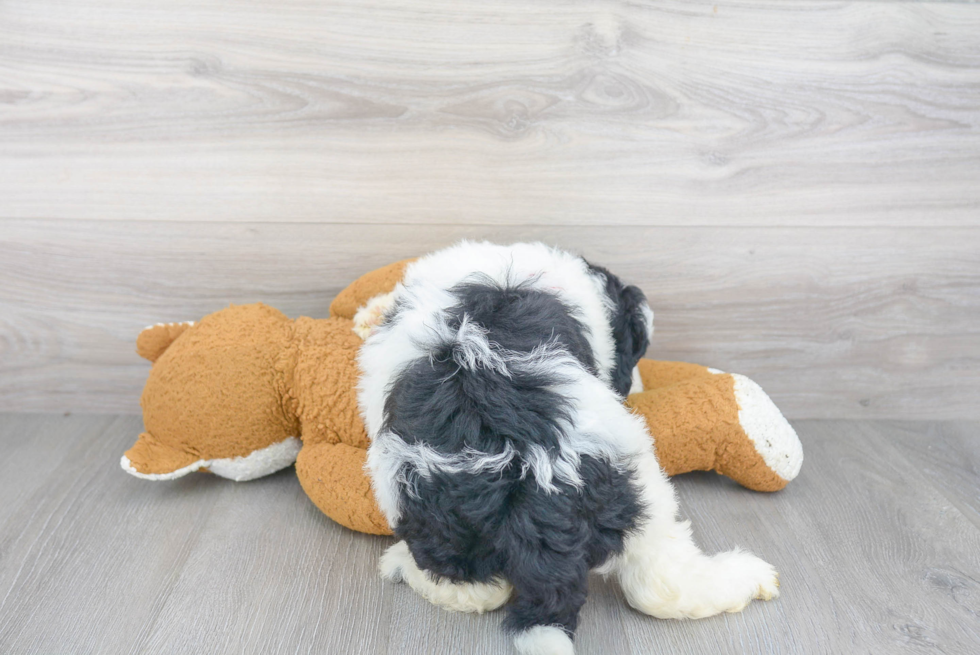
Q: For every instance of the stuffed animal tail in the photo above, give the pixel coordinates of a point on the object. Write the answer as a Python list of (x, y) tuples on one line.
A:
[(154, 340)]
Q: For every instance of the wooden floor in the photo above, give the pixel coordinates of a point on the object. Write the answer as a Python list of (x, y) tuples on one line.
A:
[(877, 543)]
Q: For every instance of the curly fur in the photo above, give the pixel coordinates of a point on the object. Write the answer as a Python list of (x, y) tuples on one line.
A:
[(501, 452)]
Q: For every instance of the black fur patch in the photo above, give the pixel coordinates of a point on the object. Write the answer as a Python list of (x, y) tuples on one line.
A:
[(520, 317), (474, 527), (629, 328)]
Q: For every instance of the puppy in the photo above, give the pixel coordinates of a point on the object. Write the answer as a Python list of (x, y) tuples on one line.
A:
[(504, 459)]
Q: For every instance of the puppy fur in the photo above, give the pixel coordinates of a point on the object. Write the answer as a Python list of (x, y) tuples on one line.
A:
[(504, 459)]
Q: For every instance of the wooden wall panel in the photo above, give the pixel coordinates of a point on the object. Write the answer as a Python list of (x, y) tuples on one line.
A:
[(833, 322), (795, 184), (491, 112)]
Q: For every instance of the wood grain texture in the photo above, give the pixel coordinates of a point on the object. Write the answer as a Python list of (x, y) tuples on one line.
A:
[(873, 558), (833, 322), (948, 454), (881, 561), (492, 112), (80, 571)]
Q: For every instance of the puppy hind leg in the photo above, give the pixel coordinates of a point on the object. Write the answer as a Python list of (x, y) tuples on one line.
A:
[(663, 573), (398, 565)]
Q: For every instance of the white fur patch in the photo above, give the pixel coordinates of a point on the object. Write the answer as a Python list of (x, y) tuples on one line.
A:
[(662, 571), (370, 315), (473, 351), (664, 574), (648, 314), (389, 453), (636, 382), (398, 565), (172, 475), (774, 438), (544, 640), (150, 327), (256, 464)]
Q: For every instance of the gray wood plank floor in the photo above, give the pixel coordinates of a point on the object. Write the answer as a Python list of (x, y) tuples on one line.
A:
[(877, 545)]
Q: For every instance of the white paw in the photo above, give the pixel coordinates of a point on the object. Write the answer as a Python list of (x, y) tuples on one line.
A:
[(398, 565), (743, 577), (394, 561), (476, 597), (702, 586)]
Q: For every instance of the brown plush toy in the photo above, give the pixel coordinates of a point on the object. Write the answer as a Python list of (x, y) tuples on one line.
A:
[(247, 391)]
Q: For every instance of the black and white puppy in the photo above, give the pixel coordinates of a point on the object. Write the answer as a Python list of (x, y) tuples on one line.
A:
[(502, 454)]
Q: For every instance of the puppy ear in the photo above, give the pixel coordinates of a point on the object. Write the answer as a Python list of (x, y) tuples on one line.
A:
[(632, 324), (631, 329)]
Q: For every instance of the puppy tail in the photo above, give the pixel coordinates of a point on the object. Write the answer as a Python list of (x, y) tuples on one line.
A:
[(549, 591), (544, 640)]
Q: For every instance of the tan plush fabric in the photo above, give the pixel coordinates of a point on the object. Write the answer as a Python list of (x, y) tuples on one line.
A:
[(324, 381), (152, 341), (369, 285), (247, 377), (331, 465), (333, 477), (216, 391), (659, 374), (150, 456), (693, 418)]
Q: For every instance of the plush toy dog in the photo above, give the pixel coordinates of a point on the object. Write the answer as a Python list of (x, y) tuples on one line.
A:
[(247, 391)]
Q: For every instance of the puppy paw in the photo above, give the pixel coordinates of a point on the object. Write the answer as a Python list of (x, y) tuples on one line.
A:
[(394, 562), (478, 597), (769, 589), (702, 586), (744, 578), (398, 565)]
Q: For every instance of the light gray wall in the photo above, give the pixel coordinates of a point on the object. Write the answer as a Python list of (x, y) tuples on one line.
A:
[(796, 185)]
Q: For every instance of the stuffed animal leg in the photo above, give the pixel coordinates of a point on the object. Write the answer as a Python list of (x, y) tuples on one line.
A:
[(333, 476), (702, 420)]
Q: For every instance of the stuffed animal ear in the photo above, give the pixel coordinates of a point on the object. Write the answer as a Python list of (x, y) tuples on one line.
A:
[(154, 340), (151, 460), (369, 285)]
